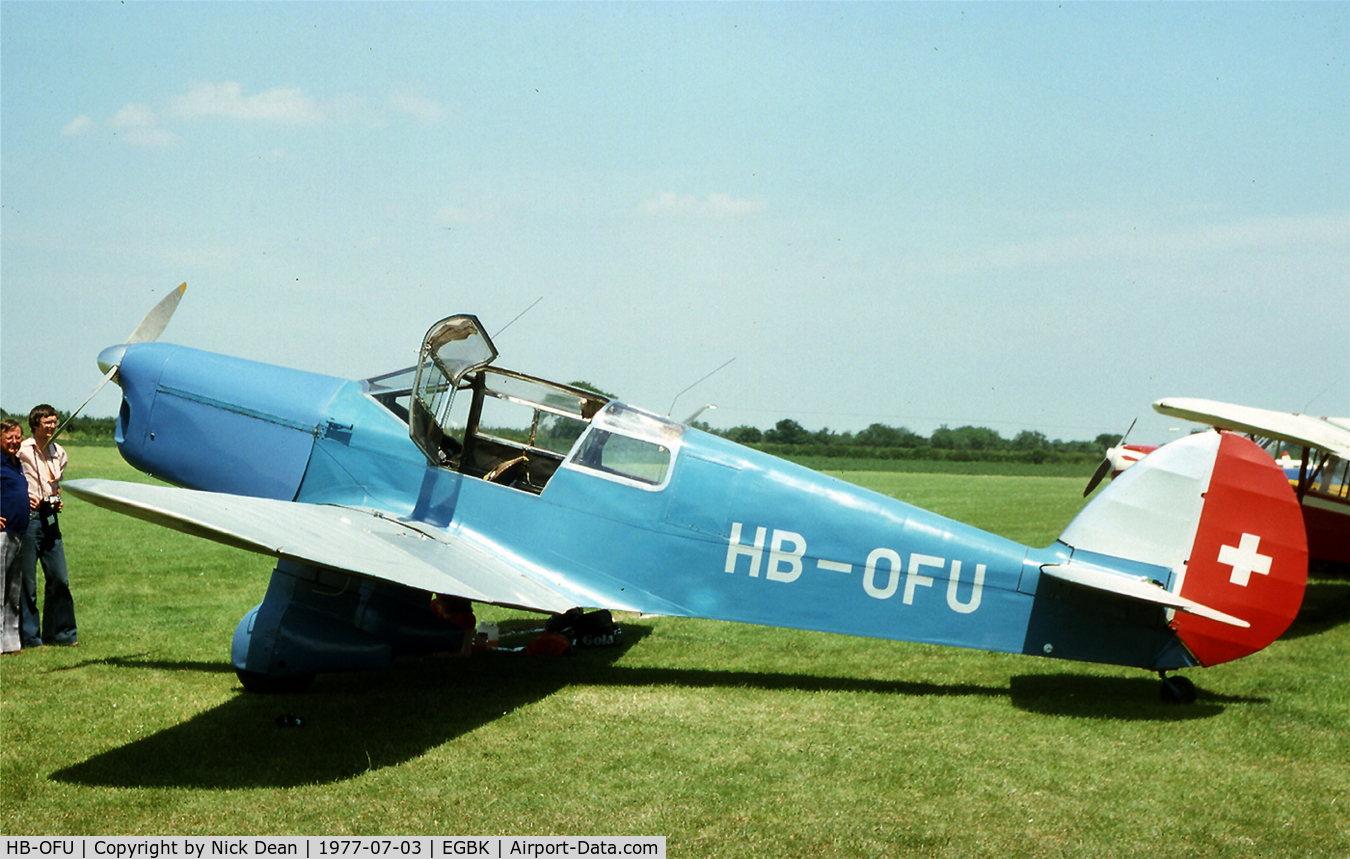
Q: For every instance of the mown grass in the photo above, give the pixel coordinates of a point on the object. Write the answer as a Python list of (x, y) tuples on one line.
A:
[(730, 740)]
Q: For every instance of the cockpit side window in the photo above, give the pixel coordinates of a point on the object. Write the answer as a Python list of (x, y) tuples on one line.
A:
[(534, 413), (622, 456), (631, 446), (515, 430), (393, 391)]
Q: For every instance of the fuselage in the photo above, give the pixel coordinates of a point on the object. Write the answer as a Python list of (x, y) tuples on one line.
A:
[(722, 532)]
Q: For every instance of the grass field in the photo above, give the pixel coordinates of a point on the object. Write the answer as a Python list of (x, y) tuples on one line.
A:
[(730, 740)]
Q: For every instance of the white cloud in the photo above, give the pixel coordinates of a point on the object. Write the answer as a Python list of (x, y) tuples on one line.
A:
[(138, 125), (721, 205), (78, 126), (133, 116), (289, 105)]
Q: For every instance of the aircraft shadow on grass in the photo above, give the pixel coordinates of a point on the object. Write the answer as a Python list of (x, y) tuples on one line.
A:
[(141, 660), (1121, 699), (352, 723), (1326, 605), (358, 722)]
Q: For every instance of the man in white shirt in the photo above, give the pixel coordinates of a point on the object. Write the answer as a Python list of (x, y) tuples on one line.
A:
[(44, 462)]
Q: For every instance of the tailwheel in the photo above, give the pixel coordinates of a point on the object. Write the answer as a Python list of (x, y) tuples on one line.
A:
[(273, 684), (1176, 690)]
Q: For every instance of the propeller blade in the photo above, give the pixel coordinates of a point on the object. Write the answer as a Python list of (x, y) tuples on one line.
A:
[(155, 321), (150, 328), (106, 379), (1105, 468), (1120, 443), (1097, 476)]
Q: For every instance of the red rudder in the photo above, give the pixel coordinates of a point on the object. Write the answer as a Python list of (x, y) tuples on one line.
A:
[(1249, 558)]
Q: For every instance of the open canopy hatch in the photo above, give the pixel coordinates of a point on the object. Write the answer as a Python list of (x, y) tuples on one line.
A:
[(487, 422)]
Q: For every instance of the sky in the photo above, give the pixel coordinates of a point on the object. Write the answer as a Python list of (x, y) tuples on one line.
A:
[(1011, 215)]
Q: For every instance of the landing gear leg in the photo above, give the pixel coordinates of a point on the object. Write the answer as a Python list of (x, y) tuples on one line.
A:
[(1176, 690)]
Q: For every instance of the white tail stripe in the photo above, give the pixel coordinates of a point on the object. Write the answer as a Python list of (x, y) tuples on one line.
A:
[(1152, 511)]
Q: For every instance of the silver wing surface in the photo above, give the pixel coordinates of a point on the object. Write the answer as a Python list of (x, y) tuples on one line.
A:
[(350, 540)]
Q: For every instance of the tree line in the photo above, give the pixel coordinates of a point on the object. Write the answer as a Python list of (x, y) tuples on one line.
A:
[(887, 442)]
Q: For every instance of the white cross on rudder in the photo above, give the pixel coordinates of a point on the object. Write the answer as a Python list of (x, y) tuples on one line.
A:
[(1244, 559)]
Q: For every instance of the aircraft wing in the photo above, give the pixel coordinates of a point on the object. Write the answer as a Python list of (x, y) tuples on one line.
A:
[(1303, 430), (360, 542)]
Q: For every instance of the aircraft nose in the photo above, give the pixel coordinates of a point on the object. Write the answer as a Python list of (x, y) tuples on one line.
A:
[(111, 357)]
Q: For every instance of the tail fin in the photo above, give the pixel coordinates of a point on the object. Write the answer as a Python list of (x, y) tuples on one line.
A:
[(1215, 510)]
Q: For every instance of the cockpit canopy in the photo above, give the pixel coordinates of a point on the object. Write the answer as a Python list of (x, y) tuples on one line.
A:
[(509, 428)]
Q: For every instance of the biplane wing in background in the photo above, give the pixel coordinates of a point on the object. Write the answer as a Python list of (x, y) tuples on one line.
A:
[(1320, 474), (465, 479)]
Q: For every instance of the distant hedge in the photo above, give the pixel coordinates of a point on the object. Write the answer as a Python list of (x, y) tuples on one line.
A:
[(82, 429), (836, 451)]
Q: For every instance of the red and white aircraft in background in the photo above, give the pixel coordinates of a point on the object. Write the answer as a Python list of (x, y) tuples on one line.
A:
[(1119, 458), (1314, 453)]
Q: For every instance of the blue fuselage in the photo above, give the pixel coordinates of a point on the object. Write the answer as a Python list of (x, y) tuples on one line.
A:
[(731, 533)]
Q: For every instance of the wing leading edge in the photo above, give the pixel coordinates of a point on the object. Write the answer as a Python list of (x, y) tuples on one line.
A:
[(1304, 430), (346, 539)]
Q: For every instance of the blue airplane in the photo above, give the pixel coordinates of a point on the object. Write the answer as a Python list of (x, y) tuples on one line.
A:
[(460, 478)]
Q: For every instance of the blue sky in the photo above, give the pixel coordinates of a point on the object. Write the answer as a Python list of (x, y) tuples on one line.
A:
[(1022, 216)]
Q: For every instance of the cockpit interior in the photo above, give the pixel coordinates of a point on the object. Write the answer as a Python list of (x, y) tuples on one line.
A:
[(512, 429)]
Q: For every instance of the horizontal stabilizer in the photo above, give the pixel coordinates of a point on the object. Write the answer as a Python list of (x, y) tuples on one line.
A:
[(359, 542), (1134, 587)]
